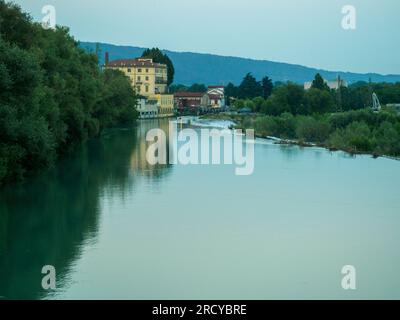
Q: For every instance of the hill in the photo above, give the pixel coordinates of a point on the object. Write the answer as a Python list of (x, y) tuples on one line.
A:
[(214, 69)]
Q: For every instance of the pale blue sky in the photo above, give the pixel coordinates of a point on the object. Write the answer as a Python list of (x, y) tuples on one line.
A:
[(306, 32)]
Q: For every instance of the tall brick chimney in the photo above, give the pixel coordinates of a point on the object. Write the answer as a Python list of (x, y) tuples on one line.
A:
[(107, 59)]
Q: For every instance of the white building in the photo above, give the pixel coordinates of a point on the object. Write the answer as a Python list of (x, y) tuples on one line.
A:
[(217, 96), (147, 109)]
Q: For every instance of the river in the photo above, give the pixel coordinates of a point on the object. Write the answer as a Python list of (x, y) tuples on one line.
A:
[(115, 227)]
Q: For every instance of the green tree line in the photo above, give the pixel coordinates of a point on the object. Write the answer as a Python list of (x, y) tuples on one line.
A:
[(356, 131), (276, 99), (52, 94)]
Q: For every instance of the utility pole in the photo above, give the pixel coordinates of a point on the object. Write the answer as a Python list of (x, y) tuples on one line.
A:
[(339, 94)]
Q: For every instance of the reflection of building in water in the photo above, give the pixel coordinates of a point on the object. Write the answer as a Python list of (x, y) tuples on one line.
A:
[(138, 156), (54, 217)]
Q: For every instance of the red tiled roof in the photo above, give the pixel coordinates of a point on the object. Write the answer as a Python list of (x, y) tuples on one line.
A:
[(134, 63), (214, 96), (188, 94)]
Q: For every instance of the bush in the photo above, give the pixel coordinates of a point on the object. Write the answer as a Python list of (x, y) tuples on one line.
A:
[(310, 129), (355, 138), (387, 139)]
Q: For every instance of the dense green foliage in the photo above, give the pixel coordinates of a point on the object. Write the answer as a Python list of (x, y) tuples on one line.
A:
[(360, 131), (158, 56), (319, 99), (249, 88), (52, 94), (319, 83)]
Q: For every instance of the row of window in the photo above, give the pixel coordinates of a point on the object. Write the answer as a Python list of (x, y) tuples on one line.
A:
[(166, 110), (155, 113), (146, 89), (138, 70), (139, 78), (148, 113)]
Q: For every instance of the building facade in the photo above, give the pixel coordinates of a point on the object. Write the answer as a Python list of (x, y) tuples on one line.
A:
[(148, 109), (148, 79), (191, 101), (217, 96)]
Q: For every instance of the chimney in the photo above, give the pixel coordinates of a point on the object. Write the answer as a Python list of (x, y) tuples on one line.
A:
[(107, 59)]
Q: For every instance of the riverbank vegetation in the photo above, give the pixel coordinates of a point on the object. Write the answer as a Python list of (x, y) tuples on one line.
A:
[(293, 98), (53, 95), (338, 119), (357, 131)]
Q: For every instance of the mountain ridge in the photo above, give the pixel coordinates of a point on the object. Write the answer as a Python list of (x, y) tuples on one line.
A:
[(191, 67)]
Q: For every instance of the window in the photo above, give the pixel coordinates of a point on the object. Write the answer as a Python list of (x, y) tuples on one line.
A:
[(147, 78), (139, 78), (147, 70), (129, 70), (139, 70), (147, 88)]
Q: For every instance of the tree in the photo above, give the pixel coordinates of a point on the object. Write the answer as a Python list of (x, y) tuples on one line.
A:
[(250, 87), (231, 91), (319, 101), (258, 103), (178, 88), (267, 87), (197, 87), (53, 95), (319, 83), (159, 57), (286, 98), (118, 102)]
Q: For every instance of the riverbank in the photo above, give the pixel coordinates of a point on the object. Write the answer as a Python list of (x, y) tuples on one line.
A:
[(55, 96), (354, 132)]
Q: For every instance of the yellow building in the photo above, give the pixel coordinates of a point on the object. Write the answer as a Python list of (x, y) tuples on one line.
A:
[(148, 79), (165, 103)]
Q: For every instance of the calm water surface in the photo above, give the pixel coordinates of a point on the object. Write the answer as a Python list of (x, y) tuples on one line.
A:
[(117, 228)]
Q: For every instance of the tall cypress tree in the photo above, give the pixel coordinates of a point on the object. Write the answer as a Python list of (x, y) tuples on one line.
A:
[(159, 57)]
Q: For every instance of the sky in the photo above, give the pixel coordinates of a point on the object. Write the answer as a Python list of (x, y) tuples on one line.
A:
[(306, 32)]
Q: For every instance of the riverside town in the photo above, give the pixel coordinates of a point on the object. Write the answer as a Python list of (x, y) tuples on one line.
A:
[(199, 158)]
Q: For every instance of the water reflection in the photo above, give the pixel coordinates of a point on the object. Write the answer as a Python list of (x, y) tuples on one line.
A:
[(48, 219), (116, 228), (138, 157)]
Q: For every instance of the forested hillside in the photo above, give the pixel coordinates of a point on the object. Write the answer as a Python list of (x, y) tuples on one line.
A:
[(193, 68)]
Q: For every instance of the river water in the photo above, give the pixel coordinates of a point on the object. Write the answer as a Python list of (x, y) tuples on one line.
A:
[(115, 227)]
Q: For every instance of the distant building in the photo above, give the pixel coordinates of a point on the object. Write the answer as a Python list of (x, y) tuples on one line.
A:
[(217, 96), (147, 109), (191, 100), (148, 79), (334, 84), (395, 106), (220, 90)]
